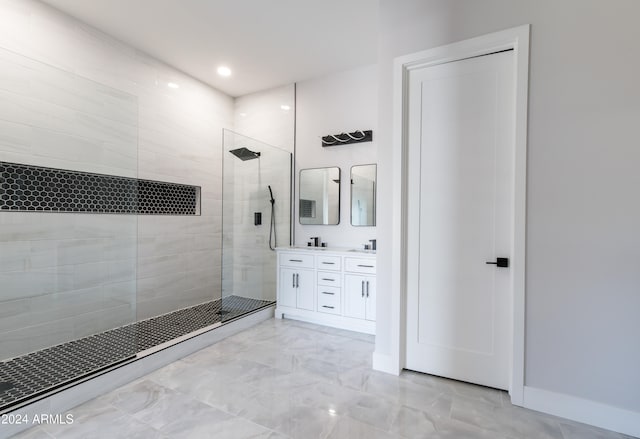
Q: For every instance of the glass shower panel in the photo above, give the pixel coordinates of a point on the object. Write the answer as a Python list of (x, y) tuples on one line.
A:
[(254, 173), (68, 229)]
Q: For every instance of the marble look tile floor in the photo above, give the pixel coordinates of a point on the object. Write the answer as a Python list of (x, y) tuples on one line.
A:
[(288, 379)]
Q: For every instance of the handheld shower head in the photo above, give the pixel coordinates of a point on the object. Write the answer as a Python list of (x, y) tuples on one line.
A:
[(272, 228), (271, 194)]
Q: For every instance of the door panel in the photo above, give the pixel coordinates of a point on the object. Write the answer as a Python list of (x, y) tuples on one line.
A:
[(370, 311), (306, 281), (354, 298), (287, 287), (460, 214)]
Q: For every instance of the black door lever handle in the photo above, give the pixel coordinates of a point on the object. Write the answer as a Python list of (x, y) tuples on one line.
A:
[(500, 262)]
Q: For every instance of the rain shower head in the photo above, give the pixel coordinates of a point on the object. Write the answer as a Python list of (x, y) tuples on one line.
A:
[(245, 154)]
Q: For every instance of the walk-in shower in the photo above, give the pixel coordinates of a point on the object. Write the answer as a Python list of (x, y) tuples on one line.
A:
[(115, 241), (252, 186)]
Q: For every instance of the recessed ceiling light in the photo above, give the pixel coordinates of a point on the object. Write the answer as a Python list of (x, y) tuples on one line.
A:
[(224, 71), (285, 107), (243, 114), (172, 85)]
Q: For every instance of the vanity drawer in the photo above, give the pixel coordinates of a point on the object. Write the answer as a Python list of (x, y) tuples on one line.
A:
[(329, 300), (329, 263), (360, 265), (329, 279), (296, 260)]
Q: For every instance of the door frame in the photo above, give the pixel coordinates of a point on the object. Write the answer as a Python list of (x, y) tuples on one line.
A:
[(517, 39)]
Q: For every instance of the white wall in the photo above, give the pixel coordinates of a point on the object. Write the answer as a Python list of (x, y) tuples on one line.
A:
[(583, 245), (175, 135), (261, 116), (343, 102)]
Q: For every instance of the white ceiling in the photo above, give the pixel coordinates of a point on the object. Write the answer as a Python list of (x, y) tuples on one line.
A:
[(266, 43)]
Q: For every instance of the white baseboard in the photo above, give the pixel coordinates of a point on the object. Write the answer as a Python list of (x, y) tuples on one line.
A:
[(583, 410), (335, 321), (385, 363)]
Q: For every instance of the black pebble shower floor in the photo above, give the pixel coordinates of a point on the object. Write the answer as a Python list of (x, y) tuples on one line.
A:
[(36, 373)]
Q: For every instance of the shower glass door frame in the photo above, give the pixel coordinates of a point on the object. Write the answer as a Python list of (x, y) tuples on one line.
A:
[(250, 169)]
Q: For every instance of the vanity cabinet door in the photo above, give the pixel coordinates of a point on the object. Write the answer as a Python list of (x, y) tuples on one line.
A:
[(354, 297), (305, 282), (360, 297), (288, 292), (370, 296), (297, 288)]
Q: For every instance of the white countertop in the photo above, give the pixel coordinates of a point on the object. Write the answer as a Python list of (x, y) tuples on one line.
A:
[(320, 250)]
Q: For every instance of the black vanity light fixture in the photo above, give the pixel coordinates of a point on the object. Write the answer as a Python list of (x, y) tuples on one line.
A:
[(346, 138)]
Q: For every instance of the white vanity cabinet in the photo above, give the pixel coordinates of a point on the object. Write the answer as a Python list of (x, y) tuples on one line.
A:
[(360, 288), (296, 280), (328, 287)]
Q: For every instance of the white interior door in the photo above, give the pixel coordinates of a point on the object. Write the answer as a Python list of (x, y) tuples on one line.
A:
[(460, 216)]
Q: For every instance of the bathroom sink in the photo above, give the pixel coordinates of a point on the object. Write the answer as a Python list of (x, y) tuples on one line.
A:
[(304, 247), (357, 250)]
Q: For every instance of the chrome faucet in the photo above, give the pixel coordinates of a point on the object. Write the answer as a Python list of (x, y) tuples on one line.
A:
[(373, 244)]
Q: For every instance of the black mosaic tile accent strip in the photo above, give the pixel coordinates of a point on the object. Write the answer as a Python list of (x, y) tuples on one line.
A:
[(39, 372), (161, 198), (33, 188)]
